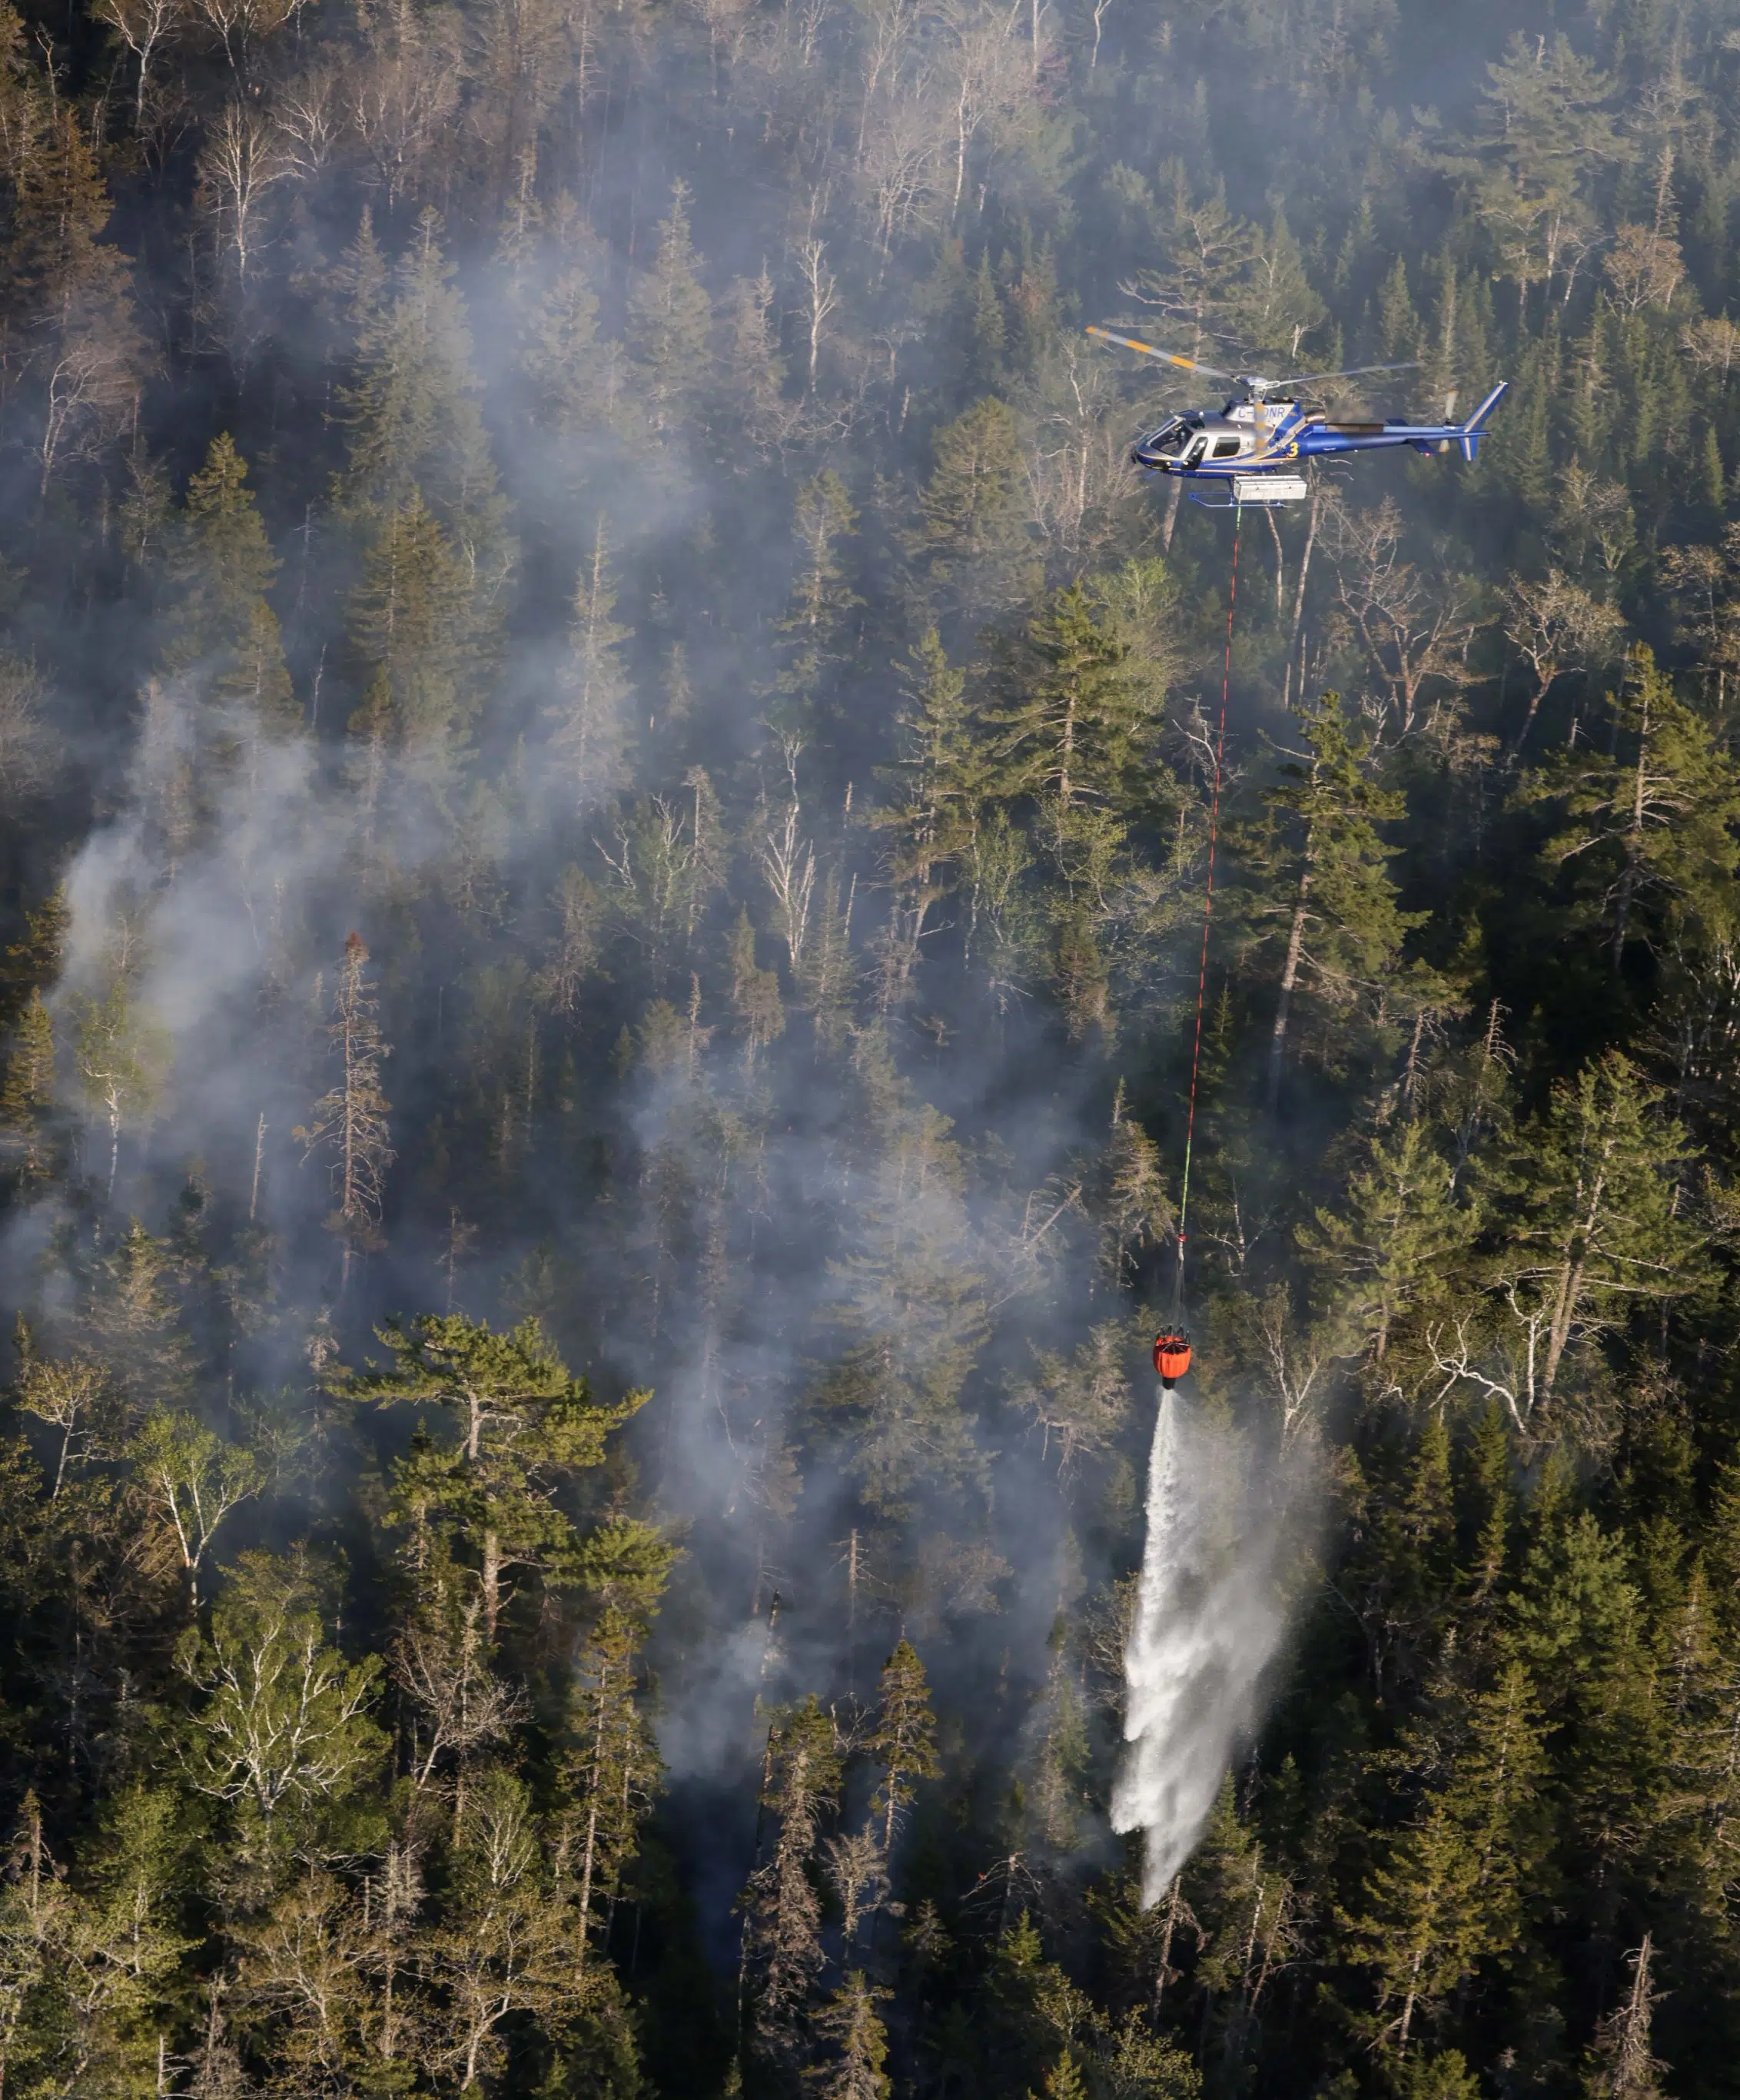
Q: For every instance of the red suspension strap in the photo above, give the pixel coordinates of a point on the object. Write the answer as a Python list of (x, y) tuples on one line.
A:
[(1208, 914)]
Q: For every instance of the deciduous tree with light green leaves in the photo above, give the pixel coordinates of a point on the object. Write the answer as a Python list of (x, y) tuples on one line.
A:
[(281, 1731)]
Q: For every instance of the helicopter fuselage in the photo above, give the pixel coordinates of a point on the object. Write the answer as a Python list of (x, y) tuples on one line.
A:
[(1254, 437)]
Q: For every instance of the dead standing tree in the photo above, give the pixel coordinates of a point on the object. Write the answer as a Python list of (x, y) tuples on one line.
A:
[(1414, 634), (1557, 629), (350, 1125)]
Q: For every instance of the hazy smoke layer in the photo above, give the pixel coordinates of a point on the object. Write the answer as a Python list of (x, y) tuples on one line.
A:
[(1207, 1623)]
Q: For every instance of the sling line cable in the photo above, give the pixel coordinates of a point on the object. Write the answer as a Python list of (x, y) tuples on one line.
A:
[(1207, 915)]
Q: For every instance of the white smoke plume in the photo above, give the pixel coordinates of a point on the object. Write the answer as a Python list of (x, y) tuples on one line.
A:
[(1208, 1621)]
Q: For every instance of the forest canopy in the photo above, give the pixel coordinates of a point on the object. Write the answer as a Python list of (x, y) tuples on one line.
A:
[(609, 781)]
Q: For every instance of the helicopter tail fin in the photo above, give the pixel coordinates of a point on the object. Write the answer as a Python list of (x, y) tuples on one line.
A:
[(1469, 438)]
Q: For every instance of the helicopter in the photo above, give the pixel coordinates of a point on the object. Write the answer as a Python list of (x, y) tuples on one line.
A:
[(1254, 447)]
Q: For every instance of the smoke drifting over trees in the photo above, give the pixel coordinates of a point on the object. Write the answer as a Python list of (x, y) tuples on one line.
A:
[(607, 775)]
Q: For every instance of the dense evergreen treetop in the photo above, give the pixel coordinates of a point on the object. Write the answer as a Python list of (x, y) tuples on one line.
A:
[(610, 784)]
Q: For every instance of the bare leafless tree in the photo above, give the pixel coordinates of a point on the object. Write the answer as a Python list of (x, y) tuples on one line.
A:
[(350, 1127), (821, 297), (246, 157), (1415, 632), (147, 28), (1557, 628)]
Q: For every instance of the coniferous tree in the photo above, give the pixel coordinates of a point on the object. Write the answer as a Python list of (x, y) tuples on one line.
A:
[(222, 623), (937, 788), (782, 1949), (669, 318), (911, 1308), (1392, 1243), (972, 535), (413, 624), (417, 431), (1661, 823), (903, 1743), (520, 1424), (26, 1094), (1591, 1218), (1328, 861), (1073, 729), (1485, 1269), (612, 1767), (850, 2023), (815, 622), (31, 965)]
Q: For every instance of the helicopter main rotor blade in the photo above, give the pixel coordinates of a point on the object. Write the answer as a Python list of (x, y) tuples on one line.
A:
[(1353, 371), (1166, 356)]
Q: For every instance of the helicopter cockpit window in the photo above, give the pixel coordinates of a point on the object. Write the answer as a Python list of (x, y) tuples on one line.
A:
[(1172, 438), (1225, 448)]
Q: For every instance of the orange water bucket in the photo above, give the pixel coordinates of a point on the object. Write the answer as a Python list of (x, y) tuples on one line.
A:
[(1171, 1356)]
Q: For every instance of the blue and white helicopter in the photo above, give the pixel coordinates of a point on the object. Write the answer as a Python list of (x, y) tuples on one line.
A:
[(1254, 449)]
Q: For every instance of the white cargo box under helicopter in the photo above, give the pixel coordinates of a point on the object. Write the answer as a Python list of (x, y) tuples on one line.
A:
[(1269, 489)]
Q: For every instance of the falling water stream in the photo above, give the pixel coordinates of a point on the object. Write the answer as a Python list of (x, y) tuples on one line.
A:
[(1207, 1622)]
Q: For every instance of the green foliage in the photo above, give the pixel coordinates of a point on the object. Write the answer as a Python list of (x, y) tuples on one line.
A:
[(518, 1425), (193, 1480), (973, 536), (411, 627), (220, 623), (416, 433), (1322, 904), (669, 317), (279, 1733), (1391, 1242), (787, 853), (1649, 846)]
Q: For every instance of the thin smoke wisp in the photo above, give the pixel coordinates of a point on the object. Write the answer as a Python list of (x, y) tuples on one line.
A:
[(1207, 1622)]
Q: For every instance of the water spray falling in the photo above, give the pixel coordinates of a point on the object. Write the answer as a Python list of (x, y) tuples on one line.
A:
[(1207, 1623)]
